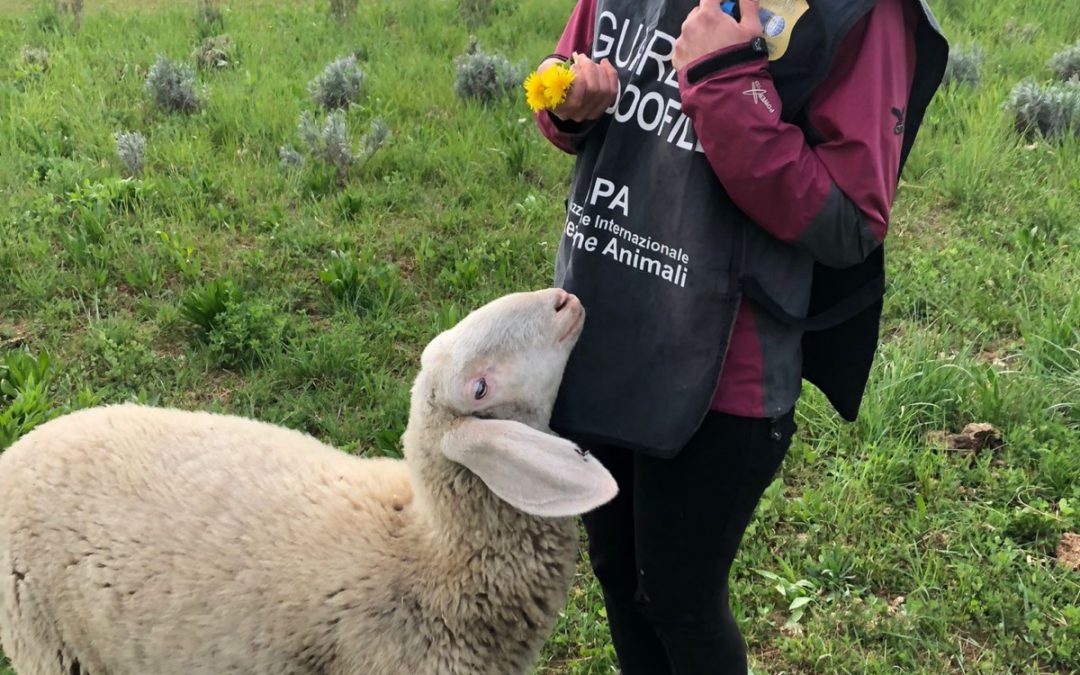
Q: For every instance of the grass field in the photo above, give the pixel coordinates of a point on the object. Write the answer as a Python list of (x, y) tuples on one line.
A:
[(874, 551)]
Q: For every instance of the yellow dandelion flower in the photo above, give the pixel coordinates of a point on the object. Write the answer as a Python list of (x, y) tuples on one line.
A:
[(534, 92), (557, 80)]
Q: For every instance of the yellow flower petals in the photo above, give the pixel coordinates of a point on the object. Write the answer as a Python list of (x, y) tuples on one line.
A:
[(548, 90), (534, 92), (557, 80)]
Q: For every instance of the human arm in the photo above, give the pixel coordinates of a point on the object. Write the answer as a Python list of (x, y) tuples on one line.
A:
[(832, 197), (595, 84)]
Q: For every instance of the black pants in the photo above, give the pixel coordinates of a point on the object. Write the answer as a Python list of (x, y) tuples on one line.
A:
[(662, 549)]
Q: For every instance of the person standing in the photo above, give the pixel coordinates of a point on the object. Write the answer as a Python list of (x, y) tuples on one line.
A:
[(736, 166)]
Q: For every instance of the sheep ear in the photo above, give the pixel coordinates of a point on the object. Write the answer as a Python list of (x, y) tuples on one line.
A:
[(536, 472)]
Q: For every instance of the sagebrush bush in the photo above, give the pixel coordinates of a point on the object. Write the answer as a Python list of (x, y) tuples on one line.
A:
[(486, 77), (131, 149), (375, 138), (338, 85), (330, 144), (1051, 111), (290, 158), (965, 66), (1066, 63), (215, 52), (171, 85)]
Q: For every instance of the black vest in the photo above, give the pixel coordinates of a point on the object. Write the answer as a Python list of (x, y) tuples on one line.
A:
[(655, 248)]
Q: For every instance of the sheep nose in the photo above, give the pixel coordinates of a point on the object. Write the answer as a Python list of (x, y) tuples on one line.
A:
[(561, 300)]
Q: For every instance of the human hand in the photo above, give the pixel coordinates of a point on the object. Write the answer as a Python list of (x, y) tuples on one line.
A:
[(708, 29), (594, 89)]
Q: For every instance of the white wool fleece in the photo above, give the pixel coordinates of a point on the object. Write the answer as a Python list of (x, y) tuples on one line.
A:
[(138, 540)]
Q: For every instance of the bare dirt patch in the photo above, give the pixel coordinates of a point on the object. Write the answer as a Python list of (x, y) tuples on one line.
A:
[(973, 439), (1068, 550)]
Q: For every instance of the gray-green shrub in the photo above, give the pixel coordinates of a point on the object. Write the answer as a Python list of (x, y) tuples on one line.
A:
[(965, 66), (1066, 63), (131, 149), (171, 85), (377, 135), (486, 77), (331, 143), (338, 85), (291, 160), (1051, 111)]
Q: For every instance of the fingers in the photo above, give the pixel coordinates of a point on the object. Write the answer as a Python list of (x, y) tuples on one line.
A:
[(547, 63), (612, 76), (610, 85), (708, 28), (594, 90), (585, 83), (751, 19)]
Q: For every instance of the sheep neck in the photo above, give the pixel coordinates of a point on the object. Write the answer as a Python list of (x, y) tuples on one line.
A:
[(462, 514), (493, 570), (474, 535)]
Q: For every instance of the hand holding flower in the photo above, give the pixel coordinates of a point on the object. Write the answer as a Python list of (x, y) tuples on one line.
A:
[(579, 93)]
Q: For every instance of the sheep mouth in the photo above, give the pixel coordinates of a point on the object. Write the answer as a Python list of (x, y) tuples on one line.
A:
[(574, 329)]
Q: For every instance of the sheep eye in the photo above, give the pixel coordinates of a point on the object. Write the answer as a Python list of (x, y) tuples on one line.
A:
[(481, 389)]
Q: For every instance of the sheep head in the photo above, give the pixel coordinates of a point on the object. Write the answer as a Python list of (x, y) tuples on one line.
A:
[(483, 399)]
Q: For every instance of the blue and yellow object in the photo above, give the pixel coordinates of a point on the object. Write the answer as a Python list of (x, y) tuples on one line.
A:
[(772, 24)]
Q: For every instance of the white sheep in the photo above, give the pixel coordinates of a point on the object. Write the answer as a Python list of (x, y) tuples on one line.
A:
[(148, 541)]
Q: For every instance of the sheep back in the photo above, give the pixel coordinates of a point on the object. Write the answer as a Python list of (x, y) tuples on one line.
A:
[(137, 540), (133, 537)]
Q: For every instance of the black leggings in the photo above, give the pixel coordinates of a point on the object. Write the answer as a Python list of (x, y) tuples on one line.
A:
[(662, 549)]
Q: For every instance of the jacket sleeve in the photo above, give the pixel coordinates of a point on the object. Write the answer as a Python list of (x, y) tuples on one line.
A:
[(576, 37), (831, 194)]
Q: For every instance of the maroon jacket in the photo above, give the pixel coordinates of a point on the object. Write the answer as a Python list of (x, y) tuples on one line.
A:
[(835, 190)]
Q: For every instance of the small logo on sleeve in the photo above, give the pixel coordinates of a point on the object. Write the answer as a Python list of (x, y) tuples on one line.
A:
[(758, 93), (898, 113)]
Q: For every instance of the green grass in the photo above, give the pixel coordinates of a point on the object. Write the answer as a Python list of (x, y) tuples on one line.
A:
[(219, 281)]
